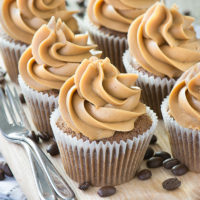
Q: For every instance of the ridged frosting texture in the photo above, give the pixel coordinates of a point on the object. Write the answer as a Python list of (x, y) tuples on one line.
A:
[(53, 56), (21, 18), (163, 41), (184, 100), (116, 15), (98, 100)]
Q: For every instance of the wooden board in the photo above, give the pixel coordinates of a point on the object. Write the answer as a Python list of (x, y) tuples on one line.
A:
[(135, 189)]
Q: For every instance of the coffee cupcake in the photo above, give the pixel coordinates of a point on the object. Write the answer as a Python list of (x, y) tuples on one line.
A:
[(107, 22), (20, 19), (101, 128), (181, 114), (52, 58), (162, 45)]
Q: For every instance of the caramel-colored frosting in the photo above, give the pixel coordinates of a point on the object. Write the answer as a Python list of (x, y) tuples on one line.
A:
[(22, 18), (98, 100), (116, 15), (184, 100), (163, 41), (53, 56)]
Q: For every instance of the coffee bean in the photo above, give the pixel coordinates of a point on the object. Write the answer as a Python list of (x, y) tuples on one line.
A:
[(171, 184), (106, 191), (2, 175), (4, 166), (52, 149), (170, 162), (144, 174), (162, 154), (187, 13), (149, 153), (154, 162), (84, 186), (3, 90), (2, 75), (44, 136), (153, 139), (33, 136), (21, 98), (179, 170)]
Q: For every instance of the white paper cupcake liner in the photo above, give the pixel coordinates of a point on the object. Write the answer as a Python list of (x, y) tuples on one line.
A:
[(185, 143), (101, 163), (112, 46), (40, 105), (11, 52), (154, 90)]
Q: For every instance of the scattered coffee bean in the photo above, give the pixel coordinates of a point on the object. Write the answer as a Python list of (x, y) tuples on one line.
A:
[(171, 184), (4, 166), (22, 99), (106, 191), (153, 139), (81, 14), (179, 170), (33, 136), (2, 75), (44, 136), (52, 149), (164, 155), (81, 3), (84, 186), (154, 162), (187, 13), (2, 88), (149, 153), (2, 175), (144, 174), (170, 162)]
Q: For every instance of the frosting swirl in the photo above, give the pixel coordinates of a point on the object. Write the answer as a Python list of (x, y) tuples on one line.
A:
[(116, 15), (53, 56), (21, 18), (184, 100), (163, 41), (98, 100)]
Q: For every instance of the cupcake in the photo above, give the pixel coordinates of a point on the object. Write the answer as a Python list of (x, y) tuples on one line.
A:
[(181, 114), (162, 45), (20, 20), (101, 127), (52, 58), (107, 23)]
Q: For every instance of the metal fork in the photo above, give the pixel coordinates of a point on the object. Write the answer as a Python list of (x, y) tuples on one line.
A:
[(12, 126)]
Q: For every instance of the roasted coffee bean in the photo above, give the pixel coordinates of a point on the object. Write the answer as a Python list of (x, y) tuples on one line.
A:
[(2, 75), (154, 162), (2, 175), (81, 3), (149, 153), (106, 191), (164, 155), (171, 184), (187, 13), (144, 174), (33, 136), (170, 162), (44, 136), (153, 139), (179, 170), (4, 166), (2, 88), (52, 149), (22, 99), (84, 186)]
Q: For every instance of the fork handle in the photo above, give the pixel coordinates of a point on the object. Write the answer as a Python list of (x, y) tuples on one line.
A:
[(60, 186)]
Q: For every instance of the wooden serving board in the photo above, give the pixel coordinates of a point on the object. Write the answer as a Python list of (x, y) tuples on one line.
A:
[(133, 190)]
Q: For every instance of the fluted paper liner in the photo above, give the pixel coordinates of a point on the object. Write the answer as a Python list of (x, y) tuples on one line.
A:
[(154, 90), (101, 163), (11, 52), (40, 105), (185, 143), (112, 46)]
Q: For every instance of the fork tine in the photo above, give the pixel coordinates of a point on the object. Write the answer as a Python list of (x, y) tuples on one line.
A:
[(2, 109)]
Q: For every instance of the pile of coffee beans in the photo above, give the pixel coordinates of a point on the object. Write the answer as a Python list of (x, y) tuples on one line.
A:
[(5, 170)]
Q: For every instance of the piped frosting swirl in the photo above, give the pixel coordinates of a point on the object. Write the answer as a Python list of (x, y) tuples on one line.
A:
[(184, 100), (116, 15), (53, 56), (163, 41), (98, 100), (21, 18)]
